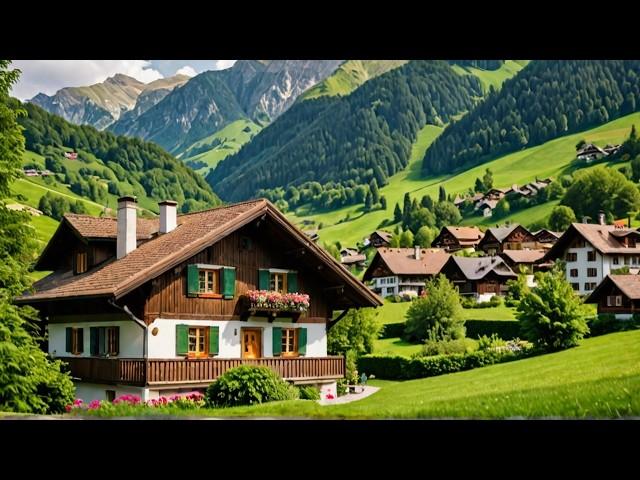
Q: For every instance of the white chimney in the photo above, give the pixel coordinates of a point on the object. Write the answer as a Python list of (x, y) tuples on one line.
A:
[(168, 219), (126, 226), (601, 220), (416, 252)]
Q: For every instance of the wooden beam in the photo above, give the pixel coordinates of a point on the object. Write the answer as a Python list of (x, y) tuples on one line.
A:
[(331, 323)]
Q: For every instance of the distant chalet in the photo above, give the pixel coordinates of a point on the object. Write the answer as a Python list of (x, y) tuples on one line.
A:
[(618, 295), (479, 277), (453, 239)]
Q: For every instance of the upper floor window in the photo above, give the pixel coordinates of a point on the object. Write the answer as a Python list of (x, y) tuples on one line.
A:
[(591, 256), (614, 300), (278, 280), (211, 281), (74, 340), (592, 272), (571, 257), (573, 272), (80, 262)]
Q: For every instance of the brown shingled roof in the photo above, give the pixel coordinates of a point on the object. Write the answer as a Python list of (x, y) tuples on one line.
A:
[(628, 284), (194, 232), (402, 261), (466, 233), (524, 256), (107, 227)]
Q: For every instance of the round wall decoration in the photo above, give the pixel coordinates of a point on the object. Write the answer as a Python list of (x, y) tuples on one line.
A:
[(154, 332)]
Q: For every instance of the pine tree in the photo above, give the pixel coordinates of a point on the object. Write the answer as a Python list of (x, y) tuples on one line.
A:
[(383, 202), (368, 202), (397, 214), (442, 194), (375, 194), (406, 209), (487, 180), (479, 186), (427, 202)]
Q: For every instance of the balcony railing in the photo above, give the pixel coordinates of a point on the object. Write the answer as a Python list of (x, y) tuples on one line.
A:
[(174, 371)]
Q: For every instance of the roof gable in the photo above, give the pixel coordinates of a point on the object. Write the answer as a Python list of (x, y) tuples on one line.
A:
[(402, 261)]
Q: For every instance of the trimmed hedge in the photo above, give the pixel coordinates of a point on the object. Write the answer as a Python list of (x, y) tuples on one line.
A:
[(392, 330), (396, 367), (505, 329), (604, 323)]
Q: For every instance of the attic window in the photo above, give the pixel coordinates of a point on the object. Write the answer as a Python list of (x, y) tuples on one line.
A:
[(80, 263), (211, 281)]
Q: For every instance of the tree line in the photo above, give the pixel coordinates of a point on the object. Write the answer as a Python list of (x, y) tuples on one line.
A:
[(545, 100)]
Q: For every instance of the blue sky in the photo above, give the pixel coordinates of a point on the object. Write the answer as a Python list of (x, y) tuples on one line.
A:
[(49, 76)]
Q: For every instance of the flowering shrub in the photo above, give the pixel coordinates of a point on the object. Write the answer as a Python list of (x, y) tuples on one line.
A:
[(291, 302), (126, 404)]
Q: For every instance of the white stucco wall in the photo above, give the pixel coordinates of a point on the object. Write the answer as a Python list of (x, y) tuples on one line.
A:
[(96, 391), (131, 338), (163, 345), (383, 283)]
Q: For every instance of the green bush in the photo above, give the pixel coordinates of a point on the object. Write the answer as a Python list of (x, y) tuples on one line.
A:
[(605, 323), (392, 330), (396, 367), (308, 392), (342, 386), (470, 302), (503, 328), (446, 347), (248, 385)]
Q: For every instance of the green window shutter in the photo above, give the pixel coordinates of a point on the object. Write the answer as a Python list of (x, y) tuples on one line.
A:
[(302, 341), (292, 282), (102, 341), (67, 345), (228, 282), (214, 340), (93, 337), (263, 279), (193, 283), (182, 339), (277, 341), (81, 340)]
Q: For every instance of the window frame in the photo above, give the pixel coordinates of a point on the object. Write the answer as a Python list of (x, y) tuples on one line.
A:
[(217, 293), (205, 339), (572, 271), (571, 257), (74, 341), (112, 340), (278, 273), (590, 254), (591, 271), (80, 263), (291, 334)]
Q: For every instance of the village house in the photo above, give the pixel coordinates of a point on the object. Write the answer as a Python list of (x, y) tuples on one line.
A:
[(525, 261), (546, 237), (480, 277), (398, 271), (379, 238), (512, 237), (160, 306), (592, 251), (618, 295), (453, 239), (351, 256)]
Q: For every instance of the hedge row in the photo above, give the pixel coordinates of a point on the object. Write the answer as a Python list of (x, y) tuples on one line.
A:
[(505, 329), (397, 367)]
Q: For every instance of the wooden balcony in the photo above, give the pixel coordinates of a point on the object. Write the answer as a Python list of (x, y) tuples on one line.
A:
[(178, 371)]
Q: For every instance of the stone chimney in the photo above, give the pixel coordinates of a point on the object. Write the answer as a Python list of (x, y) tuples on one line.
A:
[(416, 252), (601, 218), (126, 241), (168, 218)]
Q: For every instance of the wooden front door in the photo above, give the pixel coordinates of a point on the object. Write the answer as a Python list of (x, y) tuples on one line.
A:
[(251, 343)]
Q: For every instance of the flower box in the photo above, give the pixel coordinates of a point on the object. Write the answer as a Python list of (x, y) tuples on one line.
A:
[(270, 301)]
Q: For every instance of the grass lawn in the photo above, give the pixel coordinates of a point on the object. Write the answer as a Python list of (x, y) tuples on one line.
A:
[(491, 313), (396, 346), (551, 159), (599, 379)]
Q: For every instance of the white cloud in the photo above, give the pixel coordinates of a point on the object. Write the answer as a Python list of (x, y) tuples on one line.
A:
[(187, 70), (48, 76)]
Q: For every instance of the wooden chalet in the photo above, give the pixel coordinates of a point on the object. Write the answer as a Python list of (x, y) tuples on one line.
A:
[(380, 238), (513, 237), (618, 295), (453, 239), (480, 277), (546, 237), (398, 271), (526, 261), (163, 305)]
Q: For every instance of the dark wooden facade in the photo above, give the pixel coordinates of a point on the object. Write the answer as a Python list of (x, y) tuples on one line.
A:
[(609, 289), (491, 283), (376, 240), (517, 239)]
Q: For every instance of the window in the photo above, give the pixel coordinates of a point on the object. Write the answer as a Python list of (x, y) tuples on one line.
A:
[(278, 282), (209, 281), (634, 260), (626, 260), (81, 262), (289, 342), (591, 256), (614, 300), (592, 272), (575, 286), (579, 243), (573, 272), (616, 261), (571, 257), (105, 341), (197, 342), (74, 340), (589, 286), (389, 290)]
